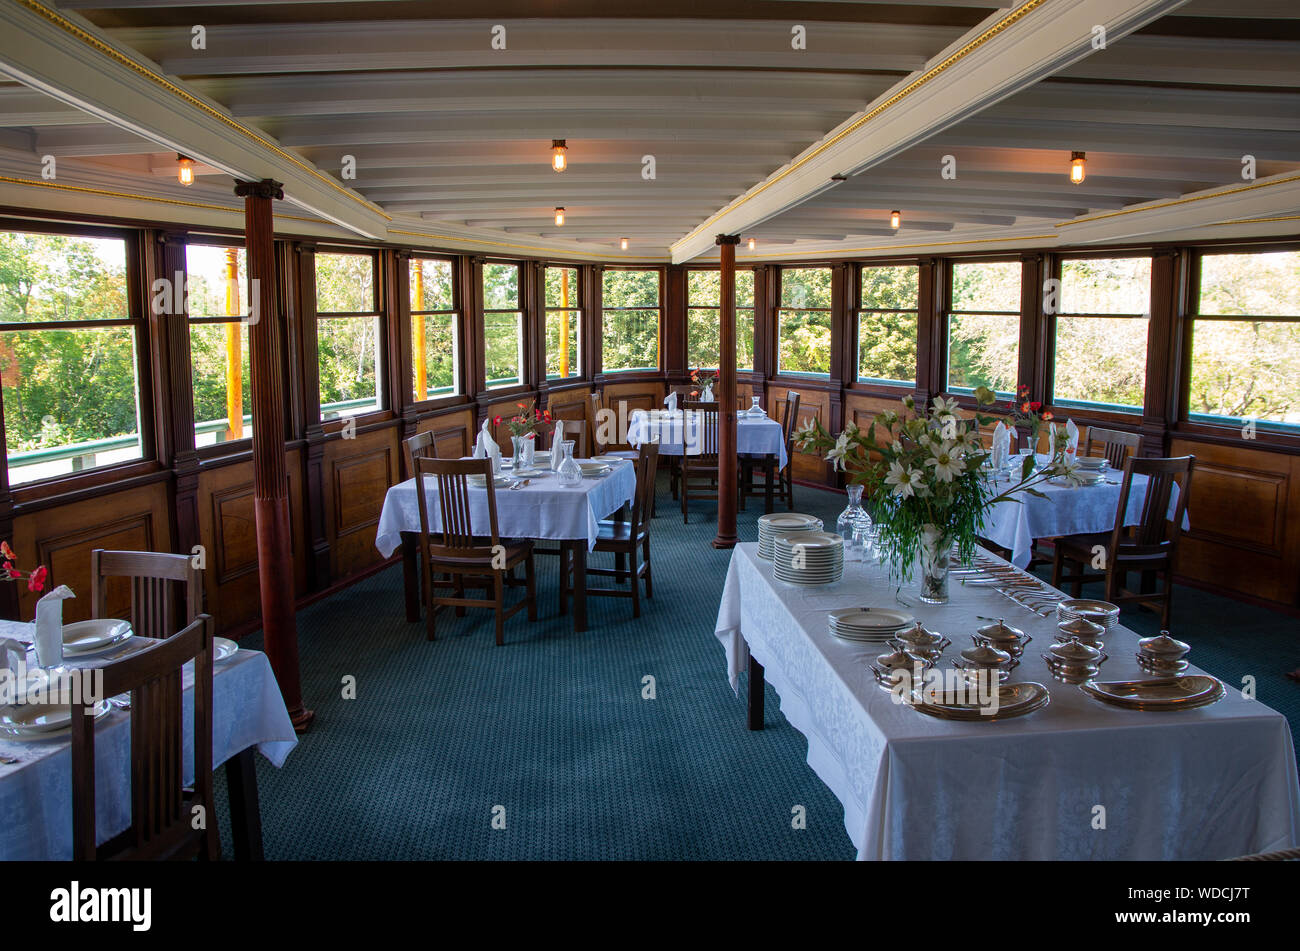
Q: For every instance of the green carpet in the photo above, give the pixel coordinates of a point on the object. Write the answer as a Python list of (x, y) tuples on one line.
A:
[(553, 726)]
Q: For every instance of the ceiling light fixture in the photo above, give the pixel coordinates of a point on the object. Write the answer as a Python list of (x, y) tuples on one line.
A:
[(622, 243), (752, 242), (559, 216), (558, 161), (1077, 172), (895, 219), (184, 170)]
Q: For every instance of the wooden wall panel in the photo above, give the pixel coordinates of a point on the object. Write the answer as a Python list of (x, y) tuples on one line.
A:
[(624, 398), (62, 538), (1244, 512), (228, 532), (453, 434), (358, 473), (813, 404)]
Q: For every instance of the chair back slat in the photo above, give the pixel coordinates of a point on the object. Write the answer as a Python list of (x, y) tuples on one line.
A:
[(790, 421), (161, 825), (1115, 445), (575, 429), (165, 589), (647, 465), (455, 536), (701, 419), (421, 445), (1156, 532)]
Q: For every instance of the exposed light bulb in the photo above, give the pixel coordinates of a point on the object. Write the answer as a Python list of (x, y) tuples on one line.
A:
[(559, 216), (1077, 172), (558, 160), (752, 244), (622, 243), (184, 170), (895, 219)]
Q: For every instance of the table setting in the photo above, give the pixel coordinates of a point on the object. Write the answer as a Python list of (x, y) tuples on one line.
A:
[(678, 433)]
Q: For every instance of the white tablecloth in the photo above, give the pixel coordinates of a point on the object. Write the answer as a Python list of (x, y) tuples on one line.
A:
[(755, 436), (1210, 783), (1065, 510), (36, 792), (541, 509)]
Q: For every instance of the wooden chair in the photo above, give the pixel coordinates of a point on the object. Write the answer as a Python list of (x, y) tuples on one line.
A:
[(1116, 446), (575, 429), (166, 592), (624, 538), (466, 558), (420, 446), (699, 474), (1147, 547), (597, 405), (163, 810), (770, 466)]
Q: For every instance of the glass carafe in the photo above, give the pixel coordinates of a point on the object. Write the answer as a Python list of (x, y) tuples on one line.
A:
[(755, 409), (850, 523), (568, 473)]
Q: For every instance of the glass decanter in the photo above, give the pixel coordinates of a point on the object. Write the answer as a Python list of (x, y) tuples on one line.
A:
[(754, 408), (848, 525), (568, 473)]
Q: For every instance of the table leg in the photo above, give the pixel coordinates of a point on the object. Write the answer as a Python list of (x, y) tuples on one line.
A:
[(769, 474), (411, 575), (580, 585), (245, 813), (755, 716), (620, 560)]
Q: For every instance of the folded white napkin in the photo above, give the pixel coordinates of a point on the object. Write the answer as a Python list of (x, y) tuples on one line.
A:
[(1071, 438), (557, 452), (1051, 439), (671, 402), (49, 626), (1001, 445), (480, 450), (13, 654)]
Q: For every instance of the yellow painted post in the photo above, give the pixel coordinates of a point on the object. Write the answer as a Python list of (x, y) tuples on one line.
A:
[(564, 322), (234, 371), (417, 337)]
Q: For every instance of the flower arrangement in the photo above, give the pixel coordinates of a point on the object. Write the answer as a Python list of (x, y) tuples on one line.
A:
[(1028, 413), (703, 378), (926, 482), (10, 572), (529, 420)]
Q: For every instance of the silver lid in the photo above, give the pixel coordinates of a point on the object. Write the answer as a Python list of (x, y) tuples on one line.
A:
[(986, 656), (1082, 628), (918, 636), (1075, 653), (1001, 631), (1163, 646)]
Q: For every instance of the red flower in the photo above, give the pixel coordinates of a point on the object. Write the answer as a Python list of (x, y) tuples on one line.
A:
[(1047, 416), (9, 566), (695, 392), (1024, 408), (496, 421), (36, 581), (1035, 406), (546, 415), (7, 551)]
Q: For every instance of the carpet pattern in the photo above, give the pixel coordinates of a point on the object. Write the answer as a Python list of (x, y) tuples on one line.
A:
[(551, 734)]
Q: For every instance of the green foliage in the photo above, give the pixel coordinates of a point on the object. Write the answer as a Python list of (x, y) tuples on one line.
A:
[(434, 279), (630, 337), (887, 341)]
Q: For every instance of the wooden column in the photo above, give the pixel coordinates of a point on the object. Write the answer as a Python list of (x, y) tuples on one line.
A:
[(270, 483), (727, 479)]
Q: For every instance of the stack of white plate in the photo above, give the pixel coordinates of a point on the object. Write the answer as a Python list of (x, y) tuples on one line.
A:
[(91, 637), (769, 526), (868, 625), (41, 720), (1099, 612), (808, 558), (593, 470)]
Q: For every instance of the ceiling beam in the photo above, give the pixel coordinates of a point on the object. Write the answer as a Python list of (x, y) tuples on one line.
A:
[(1008, 52)]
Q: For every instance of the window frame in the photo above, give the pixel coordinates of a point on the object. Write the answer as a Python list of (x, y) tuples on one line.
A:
[(244, 443), (458, 322), (752, 308), (778, 372), (1267, 432), (579, 312), (380, 314), (1109, 412), (148, 407), (519, 309), (857, 310), (947, 311), (659, 308)]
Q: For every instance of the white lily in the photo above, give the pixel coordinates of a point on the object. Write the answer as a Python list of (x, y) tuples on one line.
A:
[(947, 464)]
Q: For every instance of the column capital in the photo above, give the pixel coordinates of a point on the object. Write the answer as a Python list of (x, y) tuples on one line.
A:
[(727, 239), (266, 188)]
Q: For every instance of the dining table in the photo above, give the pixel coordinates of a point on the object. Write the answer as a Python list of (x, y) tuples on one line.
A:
[(1076, 779), (248, 714), (539, 508), (1062, 508), (680, 433)]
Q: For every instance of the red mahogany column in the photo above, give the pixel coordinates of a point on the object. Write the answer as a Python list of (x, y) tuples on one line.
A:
[(727, 486), (270, 484)]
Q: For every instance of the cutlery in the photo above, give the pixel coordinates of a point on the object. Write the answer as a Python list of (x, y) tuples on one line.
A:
[(8, 760)]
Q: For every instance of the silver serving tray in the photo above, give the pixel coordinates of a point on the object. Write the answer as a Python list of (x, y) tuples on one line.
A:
[(1159, 693), (1014, 700)]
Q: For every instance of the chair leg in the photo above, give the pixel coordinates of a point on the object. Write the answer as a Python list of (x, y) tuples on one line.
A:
[(649, 587), (530, 581), (428, 605), (498, 589), (1058, 564), (564, 579), (460, 593), (1167, 611), (636, 585), (685, 499)]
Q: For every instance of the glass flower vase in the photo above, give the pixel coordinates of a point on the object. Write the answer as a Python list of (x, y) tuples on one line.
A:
[(568, 474), (936, 556)]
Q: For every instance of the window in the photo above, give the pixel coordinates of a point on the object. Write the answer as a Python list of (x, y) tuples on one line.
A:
[(1101, 333), (984, 327), (887, 321), (435, 336), (68, 355), (502, 326), (1246, 340), (217, 286), (349, 335), (804, 322), (630, 315), (563, 323), (703, 303)]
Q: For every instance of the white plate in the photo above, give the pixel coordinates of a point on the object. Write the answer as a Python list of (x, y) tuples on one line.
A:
[(41, 719), (778, 521), (526, 473), (82, 636), (223, 647), (481, 481), (871, 619)]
